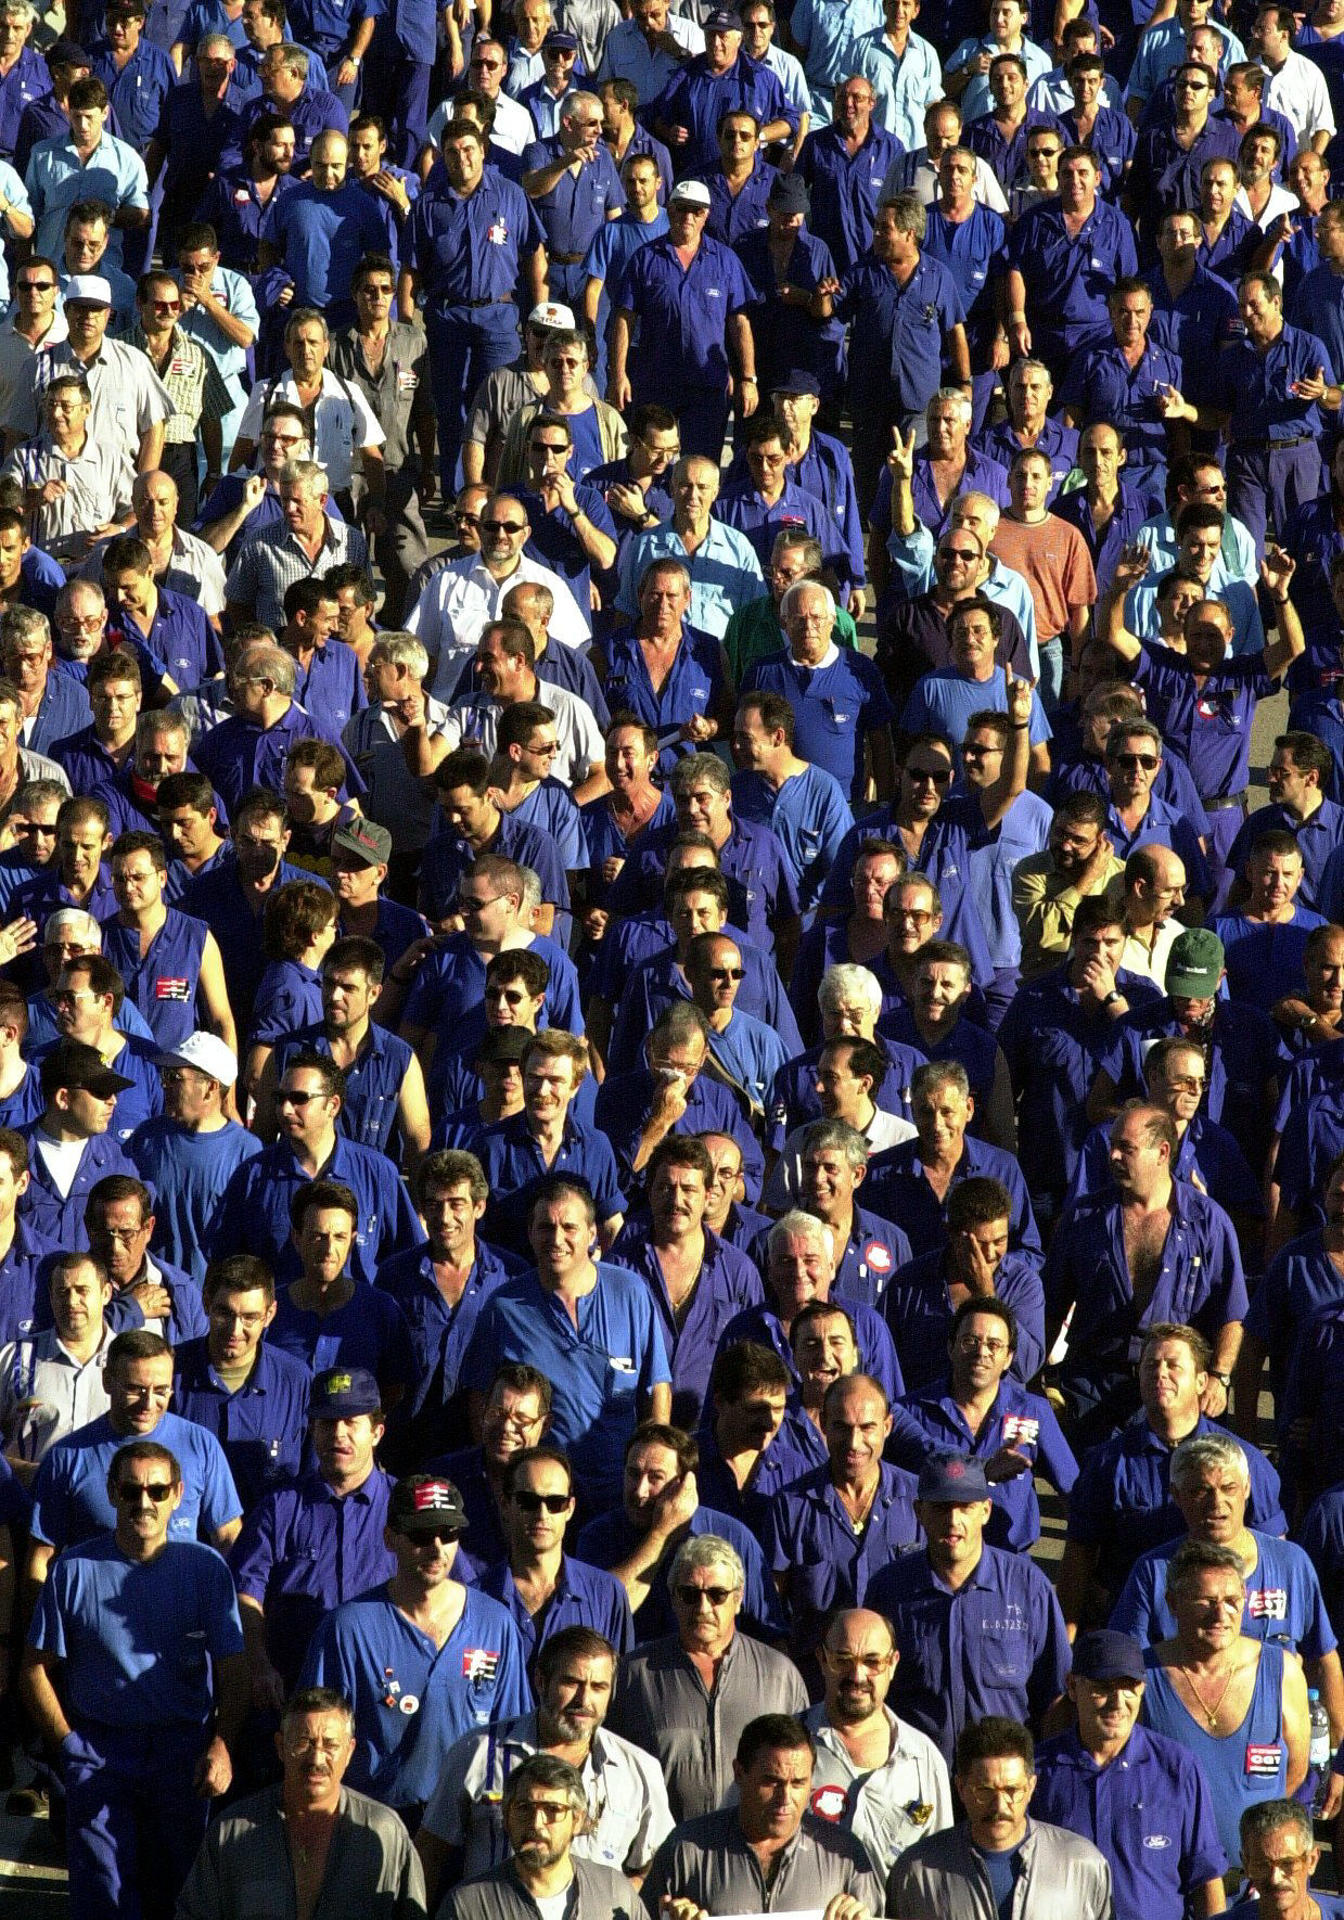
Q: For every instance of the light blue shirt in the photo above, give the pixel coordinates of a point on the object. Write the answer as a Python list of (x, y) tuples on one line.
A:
[(626, 55), (16, 193), (1053, 94), (826, 31), (789, 73), (912, 557), (1162, 48), (234, 293), (905, 84), (725, 573), (1236, 559), (943, 702), (809, 816), (752, 1052), (977, 99), (57, 178)]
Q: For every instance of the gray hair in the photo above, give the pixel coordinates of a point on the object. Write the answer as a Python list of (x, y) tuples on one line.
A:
[(800, 587), (305, 473), (797, 1225), (36, 793), (667, 564), (263, 662), (401, 650), (548, 1770), (18, 10), (790, 540), (306, 317), (1209, 1453), (846, 981), (531, 899), (1027, 365), (294, 57), (24, 623), (953, 396), (574, 102), (838, 1134), (939, 1073), (696, 769), (65, 599), (1271, 1816), (208, 41), (1200, 1556), (77, 924), (910, 213), (702, 1551), (1126, 729), (153, 726)]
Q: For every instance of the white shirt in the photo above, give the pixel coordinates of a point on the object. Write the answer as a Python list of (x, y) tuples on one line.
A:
[(61, 1159), (786, 1181), (476, 721), (344, 420), (513, 129), (194, 568), (1298, 91), (915, 173), (458, 604), (1136, 959), (45, 1393), (882, 1808)]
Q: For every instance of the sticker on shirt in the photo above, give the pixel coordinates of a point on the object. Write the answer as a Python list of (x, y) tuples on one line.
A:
[(877, 1258), (623, 1365), (1020, 1430), (1263, 1761), (479, 1665), (407, 381), (829, 1803), (170, 988), (409, 1703), (497, 233), (1267, 1603)]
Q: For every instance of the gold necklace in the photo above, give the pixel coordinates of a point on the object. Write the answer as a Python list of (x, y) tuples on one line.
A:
[(1210, 1712)]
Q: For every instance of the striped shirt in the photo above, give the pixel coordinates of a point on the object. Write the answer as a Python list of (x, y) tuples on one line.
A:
[(193, 383), (96, 482)]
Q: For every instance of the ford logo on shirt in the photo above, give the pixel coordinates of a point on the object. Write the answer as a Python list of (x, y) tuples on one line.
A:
[(1155, 1842)]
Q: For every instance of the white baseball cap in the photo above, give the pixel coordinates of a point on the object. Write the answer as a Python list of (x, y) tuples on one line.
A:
[(207, 1053), (92, 288), (551, 313), (691, 193)]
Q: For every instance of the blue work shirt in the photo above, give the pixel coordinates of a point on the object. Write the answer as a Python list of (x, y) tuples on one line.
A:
[(918, 1314), (610, 1539), (697, 99), (732, 216), (164, 981), (896, 342), (584, 1596), (740, 505), (655, 983), (136, 91), (368, 1330), (1256, 388), (329, 25), (315, 111), (896, 1186), (877, 1355), (625, 1100), (683, 316), (331, 686), (934, 1423), (237, 756), (253, 1213), (1317, 838), (1264, 961), (133, 1636), (261, 1426), (373, 1081), (600, 1370), (56, 1216), (844, 187), (217, 897), (28, 79), (574, 211), (305, 1550), (448, 856), (1068, 277), (1111, 143), (1149, 1810), (809, 815), (974, 250), (71, 1502), (25, 1303), (1101, 385), (728, 1283), (240, 219), (516, 1169), (1164, 176), (1205, 1151), (1195, 324), (1283, 1599), (812, 1545), (997, 1645), (413, 1700), (1121, 1503), (440, 1333), (471, 250), (63, 710), (693, 688), (836, 706), (1301, 1285), (760, 884)]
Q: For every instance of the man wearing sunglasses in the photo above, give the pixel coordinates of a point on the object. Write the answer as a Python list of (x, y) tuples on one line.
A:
[(416, 1693), (1137, 817), (541, 1587), (142, 1728)]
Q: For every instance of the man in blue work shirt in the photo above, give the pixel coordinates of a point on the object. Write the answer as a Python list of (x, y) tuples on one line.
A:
[(1064, 257), (230, 894), (307, 1547), (685, 294), (908, 318), (1150, 1250), (978, 1630), (414, 1693), (575, 189), (465, 250), (1124, 382), (593, 1329), (232, 1382), (254, 1211), (71, 1145), (687, 114), (844, 165), (829, 1533), (323, 229), (71, 1498), (804, 806), (1298, 776), (1137, 1796)]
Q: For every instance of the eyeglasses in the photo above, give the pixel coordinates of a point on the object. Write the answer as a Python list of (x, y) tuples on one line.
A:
[(165, 306), (534, 1502), (503, 526), (1148, 761), (1194, 86), (970, 750), (928, 776), (512, 996), (288, 1098), (71, 996), (422, 1536), (466, 904), (727, 973), (550, 446), (972, 1343), (699, 1596), (487, 66), (158, 1490), (856, 1662)]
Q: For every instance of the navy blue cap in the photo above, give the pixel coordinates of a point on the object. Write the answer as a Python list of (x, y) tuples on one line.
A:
[(557, 41), (341, 1392), (789, 191), (952, 1480), (723, 20), (1103, 1655), (797, 380)]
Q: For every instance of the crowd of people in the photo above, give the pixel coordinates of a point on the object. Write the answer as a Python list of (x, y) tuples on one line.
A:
[(579, 1151)]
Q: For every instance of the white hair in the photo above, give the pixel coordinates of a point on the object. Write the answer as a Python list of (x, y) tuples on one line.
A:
[(791, 594), (846, 982)]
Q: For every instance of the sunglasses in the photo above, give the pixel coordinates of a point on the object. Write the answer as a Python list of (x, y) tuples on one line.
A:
[(1148, 761), (727, 973), (442, 1536), (957, 553), (927, 777), (288, 1099), (534, 1502), (716, 1596), (502, 526), (34, 286), (158, 1490)]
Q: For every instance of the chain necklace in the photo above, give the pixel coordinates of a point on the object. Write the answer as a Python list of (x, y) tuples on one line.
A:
[(1210, 1712)]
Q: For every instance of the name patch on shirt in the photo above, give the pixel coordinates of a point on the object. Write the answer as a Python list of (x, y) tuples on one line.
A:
[(479, 1665), (1268, 1603), (1262, 1762), (1019, 1429), (171, 989)]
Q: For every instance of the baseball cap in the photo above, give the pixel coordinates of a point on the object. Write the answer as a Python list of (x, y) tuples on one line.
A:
[(342, 1391), (366, 838), (72, 1064), (91, 288), (501, 1046), (207, 1053), (1195, 964), (789, 193), (797, 380), (692, 193), (952, 1480), (422, 1502), (67, 53), (1103, 1655), (557, 41), (550, 313), (723, 20)]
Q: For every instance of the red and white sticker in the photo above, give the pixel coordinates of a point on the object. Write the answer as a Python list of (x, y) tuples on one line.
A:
[(1263, 1762), (877, 1258), (829, 1803)]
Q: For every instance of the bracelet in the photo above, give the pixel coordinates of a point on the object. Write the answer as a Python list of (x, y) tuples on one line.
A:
[(1021, 726), (749, 380)]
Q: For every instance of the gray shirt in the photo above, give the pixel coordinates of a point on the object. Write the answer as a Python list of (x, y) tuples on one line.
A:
[(890, 1807), (708, 1861), (943, 1877), (662, 1704), (398, 393), (599, 1893), (243, 1871)]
